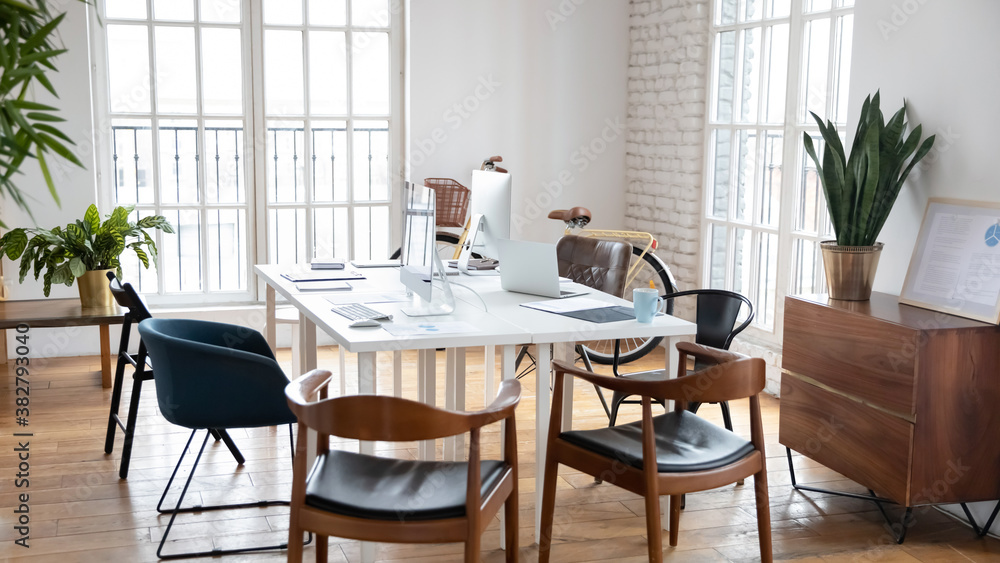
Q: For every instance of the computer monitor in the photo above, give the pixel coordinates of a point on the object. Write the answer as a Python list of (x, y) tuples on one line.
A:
[(491, 195), (421, 267)]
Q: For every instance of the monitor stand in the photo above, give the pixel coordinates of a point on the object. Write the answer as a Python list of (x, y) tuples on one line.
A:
[(441, 302), (476, 225)]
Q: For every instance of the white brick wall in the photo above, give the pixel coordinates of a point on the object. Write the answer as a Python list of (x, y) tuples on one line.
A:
[(668, 70)]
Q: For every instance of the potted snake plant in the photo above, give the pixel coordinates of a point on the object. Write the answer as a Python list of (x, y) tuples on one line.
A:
[(860, 191), (84, 250)]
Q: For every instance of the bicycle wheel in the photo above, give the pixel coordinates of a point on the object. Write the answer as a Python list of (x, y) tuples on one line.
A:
[(650, 268), (446, 245)]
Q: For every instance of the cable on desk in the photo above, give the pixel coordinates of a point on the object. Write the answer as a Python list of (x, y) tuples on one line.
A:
[(474, 292)]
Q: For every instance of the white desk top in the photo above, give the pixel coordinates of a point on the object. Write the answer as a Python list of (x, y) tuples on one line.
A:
[(504, 321)]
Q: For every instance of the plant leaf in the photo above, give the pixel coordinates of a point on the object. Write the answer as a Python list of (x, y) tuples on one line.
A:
[(76, 267)]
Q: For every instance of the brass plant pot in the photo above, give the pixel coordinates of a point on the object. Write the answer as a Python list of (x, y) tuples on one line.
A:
[(850, 270), (94, 289)]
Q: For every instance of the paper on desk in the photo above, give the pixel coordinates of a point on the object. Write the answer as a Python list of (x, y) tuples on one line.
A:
[(342, 299), (428, 328), (568, 305)]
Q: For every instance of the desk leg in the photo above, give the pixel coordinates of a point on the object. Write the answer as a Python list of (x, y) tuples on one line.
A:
[(490, 387), (343, 370), (454, 399), (307, 344), (542, 400), (105, 356), (566, 353), (270, 330), (507, 371), (397, 373), (366, 386), (426, 381), (671, 363)]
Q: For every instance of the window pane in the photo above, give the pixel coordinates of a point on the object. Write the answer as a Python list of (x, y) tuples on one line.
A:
[(845, 29), (128, 68), (725, 11), (283, 74), (332, 232), (227, 249), (808, 205), (371, 161), (746, 177), (717, 257), (285, 162), (815, 59), (282, 12), (750, 10), (770, 187), (327, 73), (132, 155), (178, 162), (815, 5), (132, 270), (807, 276), (777, 72), (767, 279), (221, 11), (720, 173), (778, 8), (176, 90), (370, 13), (749, 83), (370, 80), (125, 9), (181, 251), (287, 236), (725, 63), (328, 12), (371, 233), (222, 71), (224, 163), (176, 10), (741, 261), (329, 162)]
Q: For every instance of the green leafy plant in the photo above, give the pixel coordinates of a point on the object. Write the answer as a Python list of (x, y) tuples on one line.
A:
[(28, 46), (67, 253), (861, 189)]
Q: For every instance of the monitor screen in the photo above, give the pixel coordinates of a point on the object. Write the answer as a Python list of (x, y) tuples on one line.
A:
[(418, 239)]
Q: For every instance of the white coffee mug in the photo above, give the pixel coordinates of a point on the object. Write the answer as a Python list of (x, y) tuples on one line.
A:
[(647, 303)]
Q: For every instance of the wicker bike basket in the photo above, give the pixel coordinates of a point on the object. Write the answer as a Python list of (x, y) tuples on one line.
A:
[(451, 200)]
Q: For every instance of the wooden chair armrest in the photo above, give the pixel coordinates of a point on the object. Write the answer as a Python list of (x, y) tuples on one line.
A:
[(301, 391), (708, 354)]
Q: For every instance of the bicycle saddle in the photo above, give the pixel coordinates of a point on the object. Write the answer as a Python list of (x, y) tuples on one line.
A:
[(579, 215)]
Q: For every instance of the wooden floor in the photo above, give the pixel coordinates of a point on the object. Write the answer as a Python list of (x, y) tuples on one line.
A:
[(81, 511)]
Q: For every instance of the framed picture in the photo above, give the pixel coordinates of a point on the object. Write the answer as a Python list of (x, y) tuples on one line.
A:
[(955, 267)]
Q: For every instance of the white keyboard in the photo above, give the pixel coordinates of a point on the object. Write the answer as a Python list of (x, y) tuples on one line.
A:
[(357, 312)]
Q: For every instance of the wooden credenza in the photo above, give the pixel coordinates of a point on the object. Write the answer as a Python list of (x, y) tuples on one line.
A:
[(902, 400)]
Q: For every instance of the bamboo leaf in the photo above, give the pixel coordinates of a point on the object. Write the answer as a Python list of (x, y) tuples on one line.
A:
[(40, 154)]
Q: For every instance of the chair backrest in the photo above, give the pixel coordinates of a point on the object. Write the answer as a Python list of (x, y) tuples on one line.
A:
[(127, 297), (716, 317), (390, 419), (600, 264), (215, 375)]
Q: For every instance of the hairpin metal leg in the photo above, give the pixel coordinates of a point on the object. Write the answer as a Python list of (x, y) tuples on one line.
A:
[(989, 522)]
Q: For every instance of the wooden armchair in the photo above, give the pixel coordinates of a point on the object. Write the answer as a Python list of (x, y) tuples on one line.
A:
[(671, 454), (371, 498)]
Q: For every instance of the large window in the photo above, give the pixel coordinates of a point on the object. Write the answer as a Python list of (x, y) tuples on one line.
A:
[(264, 130), (773, 62)]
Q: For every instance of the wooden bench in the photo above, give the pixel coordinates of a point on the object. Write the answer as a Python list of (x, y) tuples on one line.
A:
[(52, 313)]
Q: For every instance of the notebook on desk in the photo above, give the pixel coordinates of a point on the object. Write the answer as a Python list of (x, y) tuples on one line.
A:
[(307, 275)]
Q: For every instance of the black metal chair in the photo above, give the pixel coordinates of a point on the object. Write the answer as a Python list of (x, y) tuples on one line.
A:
[(716, 317), (214, 376), (136, 312)]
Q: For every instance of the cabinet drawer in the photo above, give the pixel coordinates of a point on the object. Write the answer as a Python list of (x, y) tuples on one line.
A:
[(859, 355), (864, 444)]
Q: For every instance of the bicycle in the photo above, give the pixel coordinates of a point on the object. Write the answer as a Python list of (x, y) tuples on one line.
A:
[(645, 270)]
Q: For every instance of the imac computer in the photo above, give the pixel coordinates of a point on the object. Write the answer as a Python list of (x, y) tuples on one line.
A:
[(421, 268), (491, 197)]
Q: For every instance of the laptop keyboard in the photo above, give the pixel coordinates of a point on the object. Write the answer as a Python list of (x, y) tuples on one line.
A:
[(358, 312)]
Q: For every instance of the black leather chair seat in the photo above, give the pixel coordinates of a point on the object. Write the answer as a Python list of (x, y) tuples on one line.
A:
[(684, 442), (380, 488)]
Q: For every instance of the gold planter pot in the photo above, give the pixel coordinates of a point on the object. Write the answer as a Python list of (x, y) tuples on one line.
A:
[(850, 270), (94, 289)]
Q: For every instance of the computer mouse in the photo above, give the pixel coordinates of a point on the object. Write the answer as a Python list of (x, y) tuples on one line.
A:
[(362, 323)]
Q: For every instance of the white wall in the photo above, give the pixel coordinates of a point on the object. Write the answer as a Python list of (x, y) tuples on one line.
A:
[(940, 56), (533, 81)]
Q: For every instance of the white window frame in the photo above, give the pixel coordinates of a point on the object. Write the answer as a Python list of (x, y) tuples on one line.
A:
[(254, 166), (792, 162)]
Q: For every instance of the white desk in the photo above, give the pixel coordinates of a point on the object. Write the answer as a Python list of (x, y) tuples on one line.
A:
[(505, 323)]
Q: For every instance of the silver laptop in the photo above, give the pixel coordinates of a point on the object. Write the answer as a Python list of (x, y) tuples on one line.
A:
[(531, 267)]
